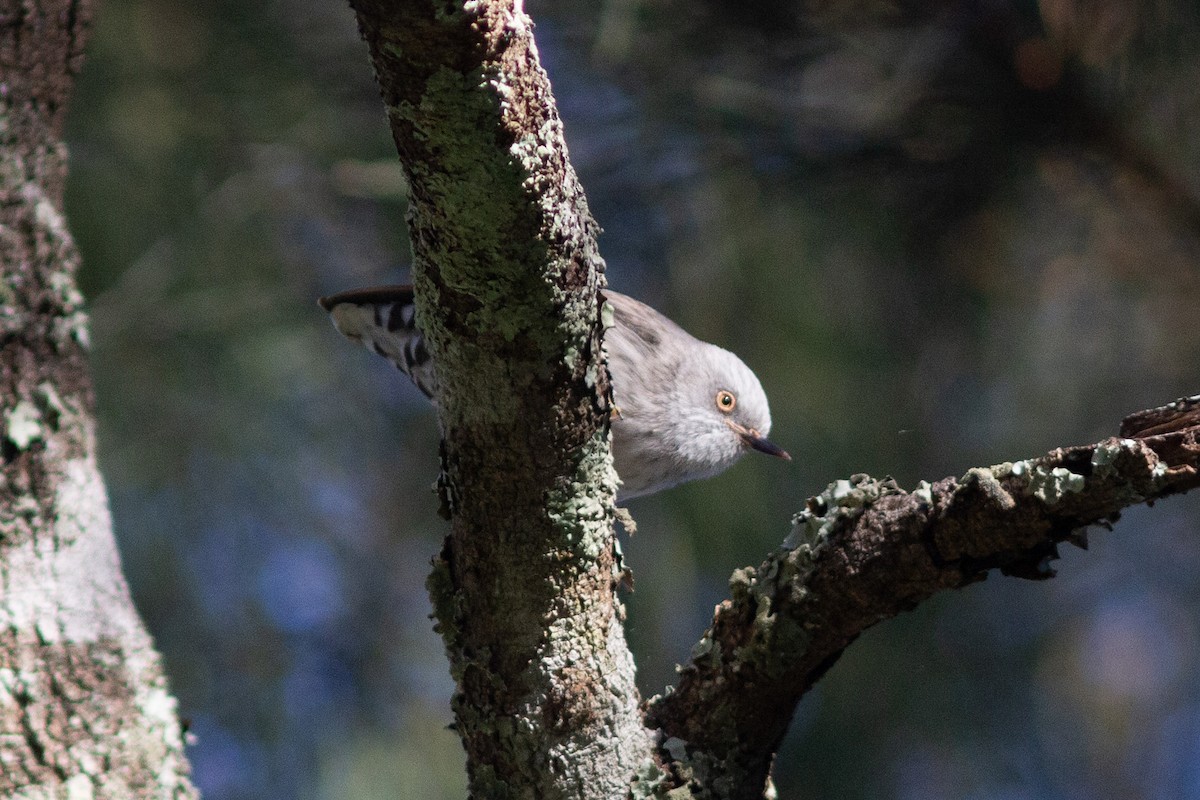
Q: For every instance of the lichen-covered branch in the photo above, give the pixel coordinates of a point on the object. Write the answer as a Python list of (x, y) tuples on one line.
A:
[(864, 551), (506, 275), (84, 706)]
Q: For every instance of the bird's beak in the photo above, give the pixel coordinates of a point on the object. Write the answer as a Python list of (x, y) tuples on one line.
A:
[(755, 440)]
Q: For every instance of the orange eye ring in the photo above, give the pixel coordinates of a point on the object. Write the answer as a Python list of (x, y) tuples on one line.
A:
[(726, 402)]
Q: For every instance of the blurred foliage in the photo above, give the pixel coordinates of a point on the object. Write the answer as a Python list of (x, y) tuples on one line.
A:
[(944, 234)]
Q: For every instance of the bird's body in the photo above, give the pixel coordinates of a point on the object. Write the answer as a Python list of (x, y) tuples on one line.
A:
[(686, 409)]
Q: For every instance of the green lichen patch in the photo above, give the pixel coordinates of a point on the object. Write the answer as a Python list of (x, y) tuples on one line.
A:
[(985, 481), (1049, 485), (649, 781), (581, 508), (776, 638), (23, 424), (842, 500), (1105, 455), (780, 582)]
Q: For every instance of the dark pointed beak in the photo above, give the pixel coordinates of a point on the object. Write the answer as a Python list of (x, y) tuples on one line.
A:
[(755, 440)]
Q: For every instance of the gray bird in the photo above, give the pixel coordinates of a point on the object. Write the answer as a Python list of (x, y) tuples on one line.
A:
[(686, 409)]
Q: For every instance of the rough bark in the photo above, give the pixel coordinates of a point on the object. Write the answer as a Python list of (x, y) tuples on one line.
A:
[(84, 707), (506, 275), (864, 551)]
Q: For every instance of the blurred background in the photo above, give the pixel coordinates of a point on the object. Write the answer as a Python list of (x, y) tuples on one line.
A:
[(945, 234)]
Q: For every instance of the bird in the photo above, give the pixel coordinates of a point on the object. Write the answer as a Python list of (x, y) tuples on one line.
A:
[(685, 409)]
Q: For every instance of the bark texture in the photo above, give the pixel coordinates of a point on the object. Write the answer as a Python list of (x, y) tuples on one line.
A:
[(84, 707), (506, 275), (864, 551)]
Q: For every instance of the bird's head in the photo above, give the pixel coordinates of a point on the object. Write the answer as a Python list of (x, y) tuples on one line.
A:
[(725, 414)]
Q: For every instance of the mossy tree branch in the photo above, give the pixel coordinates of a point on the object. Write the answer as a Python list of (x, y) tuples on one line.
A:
[(864, 551)]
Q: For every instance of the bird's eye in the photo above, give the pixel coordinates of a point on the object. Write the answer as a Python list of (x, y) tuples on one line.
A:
[(726, 402)]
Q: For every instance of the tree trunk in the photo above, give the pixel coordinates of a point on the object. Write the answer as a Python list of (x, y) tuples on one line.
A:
[(84, 706), (506, 273)]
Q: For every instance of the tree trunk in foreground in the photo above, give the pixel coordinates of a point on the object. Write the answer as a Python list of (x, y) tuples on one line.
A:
[(506, 274), (84, 706)]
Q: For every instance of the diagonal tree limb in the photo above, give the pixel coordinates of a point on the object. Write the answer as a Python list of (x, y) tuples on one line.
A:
[(864, 551)]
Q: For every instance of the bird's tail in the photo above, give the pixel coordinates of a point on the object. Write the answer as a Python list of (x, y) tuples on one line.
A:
[(383, 318)]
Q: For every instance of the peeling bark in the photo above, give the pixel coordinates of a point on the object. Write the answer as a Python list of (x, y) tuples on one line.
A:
[(84, 707)]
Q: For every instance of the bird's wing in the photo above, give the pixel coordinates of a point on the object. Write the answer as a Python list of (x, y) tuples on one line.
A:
[(383, 318), (642, 323), (645, 353)]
